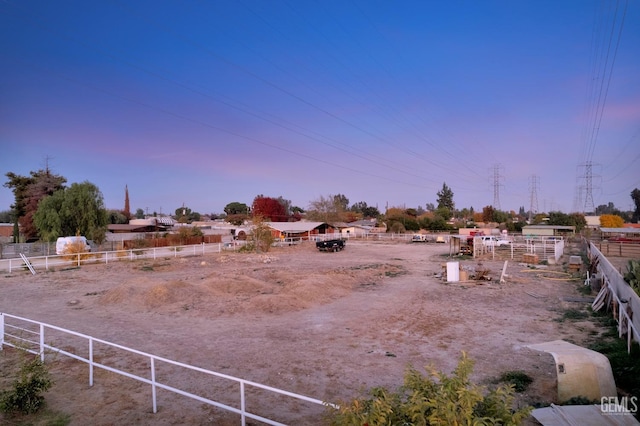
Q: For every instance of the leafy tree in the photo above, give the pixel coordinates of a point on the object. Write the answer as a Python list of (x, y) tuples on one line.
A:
[(139, 214), (261, 236), (465, 214), (127, 209), (26, 395), (78, 209), (341, 202), (611, 221), (28, 191), (6, 216), (324, 209), (401, 220), (431, 207), (635, 196), (182, 214), (562, 219), (116, 217), (443, 213), (439, 224), (500, 217), (236, 208), (445, 198), (487, 214), (365, 210), (286, 205), (237, 219), (606, 209), (269, 208)]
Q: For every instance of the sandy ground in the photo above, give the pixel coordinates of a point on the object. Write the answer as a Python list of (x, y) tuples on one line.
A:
[(325, 325)]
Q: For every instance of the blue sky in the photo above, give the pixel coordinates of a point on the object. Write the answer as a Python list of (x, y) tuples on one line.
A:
[(210, 102)]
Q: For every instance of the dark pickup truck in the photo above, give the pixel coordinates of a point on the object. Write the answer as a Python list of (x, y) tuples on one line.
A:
[(331, 245)]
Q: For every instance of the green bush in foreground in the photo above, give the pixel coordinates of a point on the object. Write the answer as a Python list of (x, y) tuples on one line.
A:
[(26, 396), (434, 399)]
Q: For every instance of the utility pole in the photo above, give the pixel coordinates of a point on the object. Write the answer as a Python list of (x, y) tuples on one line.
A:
[(533, 193)]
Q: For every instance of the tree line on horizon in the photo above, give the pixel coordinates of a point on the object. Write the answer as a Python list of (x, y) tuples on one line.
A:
[(45, 208)]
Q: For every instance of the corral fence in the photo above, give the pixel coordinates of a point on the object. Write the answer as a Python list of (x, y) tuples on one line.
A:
[(40, 257), (38, 338), (615, 294), (76, 260), (14, 250), (379, 236), (618, 249), (522, 248)]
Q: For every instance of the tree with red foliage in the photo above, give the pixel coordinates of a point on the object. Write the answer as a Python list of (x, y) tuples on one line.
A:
[(28, 192), (269, 208)]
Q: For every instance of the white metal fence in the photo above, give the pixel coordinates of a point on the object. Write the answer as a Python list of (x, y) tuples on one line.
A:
[(544, 248), (76, 260), (47, 262), (38, 338), (617, 292)]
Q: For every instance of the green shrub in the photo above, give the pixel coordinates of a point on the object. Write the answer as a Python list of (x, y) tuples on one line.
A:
[(518, 379), (26, 396), (434, 399), (632, 276)]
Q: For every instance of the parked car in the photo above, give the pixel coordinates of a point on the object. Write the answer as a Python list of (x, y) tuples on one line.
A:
[(492, 241), (419, 238)]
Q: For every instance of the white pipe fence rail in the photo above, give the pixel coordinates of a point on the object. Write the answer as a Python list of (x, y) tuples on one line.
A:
[(76, 260), (32, 337), (544, 247), (620, 291)]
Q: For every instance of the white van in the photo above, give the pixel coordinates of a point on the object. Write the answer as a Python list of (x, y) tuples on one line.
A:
[(63, 242)]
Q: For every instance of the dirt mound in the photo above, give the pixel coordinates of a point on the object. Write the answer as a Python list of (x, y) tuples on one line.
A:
[(144, 293), (256, 288)]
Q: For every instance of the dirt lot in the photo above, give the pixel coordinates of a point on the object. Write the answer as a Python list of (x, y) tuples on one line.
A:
[(325, 325)]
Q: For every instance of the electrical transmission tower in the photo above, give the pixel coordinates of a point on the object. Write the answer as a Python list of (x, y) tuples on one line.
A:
[(588, 177), (497, 183), (533, 191)]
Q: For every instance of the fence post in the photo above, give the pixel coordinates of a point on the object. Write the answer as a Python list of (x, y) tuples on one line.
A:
[(90, 361), (242, 404), (42, 342), (153, 384), (1, 331)]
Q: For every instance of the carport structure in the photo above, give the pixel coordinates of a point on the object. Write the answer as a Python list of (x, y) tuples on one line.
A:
[(295, 231)]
